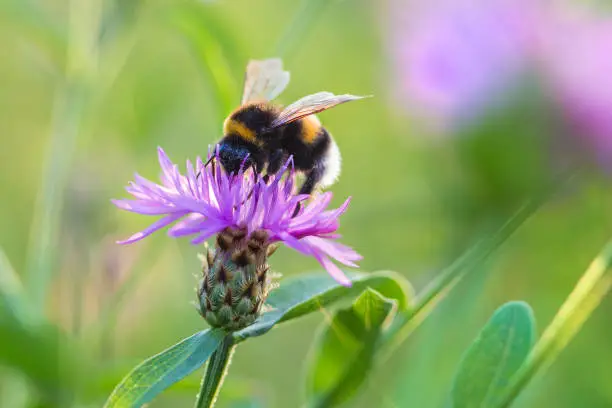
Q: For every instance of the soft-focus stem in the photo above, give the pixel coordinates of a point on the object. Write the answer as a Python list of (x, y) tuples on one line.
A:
[(215, 373), (68, 112), (404, 324), (299, 27), (211, 55), (588, 293)]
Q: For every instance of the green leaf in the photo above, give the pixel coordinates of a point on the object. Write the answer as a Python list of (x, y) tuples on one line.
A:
[(494, 357), (344, 352), (309, 293), (166, 368), (587, 295)]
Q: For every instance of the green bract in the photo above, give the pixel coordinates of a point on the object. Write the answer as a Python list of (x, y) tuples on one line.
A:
[(235, 282)]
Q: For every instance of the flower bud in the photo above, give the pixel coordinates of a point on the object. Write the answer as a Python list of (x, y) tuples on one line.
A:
[(235, 281)]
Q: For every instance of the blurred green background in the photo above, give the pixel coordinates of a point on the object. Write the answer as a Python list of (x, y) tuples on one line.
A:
[(90, 88)]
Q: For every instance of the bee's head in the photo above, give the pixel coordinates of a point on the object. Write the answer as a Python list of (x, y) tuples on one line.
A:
[(232, 156)]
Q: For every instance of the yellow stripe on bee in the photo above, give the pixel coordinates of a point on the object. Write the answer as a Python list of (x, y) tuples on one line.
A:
[(310, 129), (232, 126)]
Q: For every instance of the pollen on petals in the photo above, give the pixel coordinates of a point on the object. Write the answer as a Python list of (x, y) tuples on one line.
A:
[(206, 200)]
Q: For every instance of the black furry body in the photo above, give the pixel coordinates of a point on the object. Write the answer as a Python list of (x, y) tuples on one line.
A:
[(248, 132)]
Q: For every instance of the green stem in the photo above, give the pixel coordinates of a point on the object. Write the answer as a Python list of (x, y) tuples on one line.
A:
[(405, 324), (215, 373), (588, 293)]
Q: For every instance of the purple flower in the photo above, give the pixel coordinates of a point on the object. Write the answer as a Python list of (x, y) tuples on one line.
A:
[(207, 200), (576, 64), (454, 58)]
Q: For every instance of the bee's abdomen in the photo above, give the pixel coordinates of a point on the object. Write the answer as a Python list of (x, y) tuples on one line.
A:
[(305, 142), (311, 129)]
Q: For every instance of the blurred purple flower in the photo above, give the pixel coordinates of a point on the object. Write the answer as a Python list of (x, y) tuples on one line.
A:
[(207, 200), (453, 58), (576, 63)]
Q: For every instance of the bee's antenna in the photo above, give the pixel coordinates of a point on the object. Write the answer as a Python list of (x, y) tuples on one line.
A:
[(206, 164), (209, 160)]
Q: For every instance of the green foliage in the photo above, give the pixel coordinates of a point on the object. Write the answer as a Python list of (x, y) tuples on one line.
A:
[(415, 203), (345, 349), (308, 293), (298, 28), (38, 26), (295, 298), (447, 279), (489, 364), (214, 50), (40, 352), (591, 289), (164, 369), (32, 345), (13, 304)]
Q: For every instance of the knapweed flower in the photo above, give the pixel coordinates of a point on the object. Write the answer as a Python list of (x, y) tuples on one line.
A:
[(454, 58), (248, 216), (575, 61)]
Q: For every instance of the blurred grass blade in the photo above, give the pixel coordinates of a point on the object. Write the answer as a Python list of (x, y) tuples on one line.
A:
[(298, 28), (101, 331), (488, 365), (44, 236), (309, 293), (164, 369), (119, 33), (345, 349), (588, 293), (119, 16), (211, 45), (405, 323), (35, 24), (12, 296), (69, 106)]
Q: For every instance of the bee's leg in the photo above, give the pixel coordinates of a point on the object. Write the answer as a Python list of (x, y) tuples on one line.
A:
[(274, 164), (312, 179)]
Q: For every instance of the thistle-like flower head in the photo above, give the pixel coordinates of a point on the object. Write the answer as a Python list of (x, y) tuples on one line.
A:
[(206, 201)]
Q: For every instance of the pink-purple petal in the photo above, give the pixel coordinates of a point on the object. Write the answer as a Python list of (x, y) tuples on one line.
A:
[(333, 270), (157, 225), (339, 252), (207, 200)]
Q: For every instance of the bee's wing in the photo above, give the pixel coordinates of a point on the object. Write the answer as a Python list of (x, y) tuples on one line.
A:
[(310, 105), (264, 80)]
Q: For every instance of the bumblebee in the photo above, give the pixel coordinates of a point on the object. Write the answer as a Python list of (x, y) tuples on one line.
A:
[(262, 134)]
